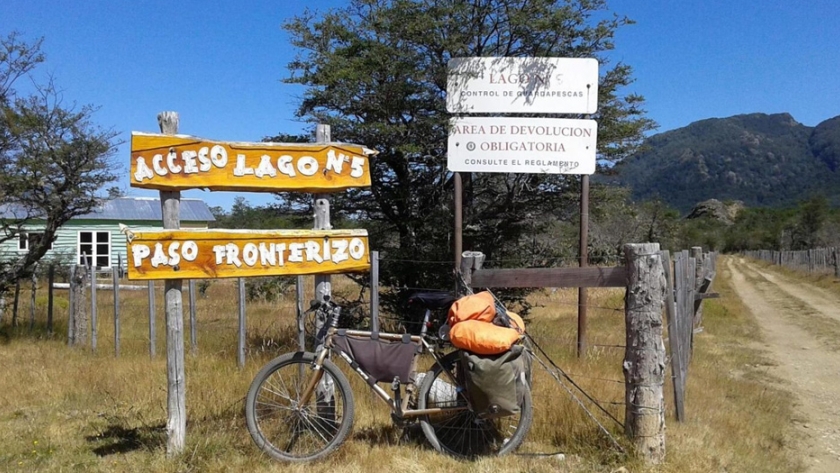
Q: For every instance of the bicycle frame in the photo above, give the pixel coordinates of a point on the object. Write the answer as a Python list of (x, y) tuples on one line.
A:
[(399, 408)]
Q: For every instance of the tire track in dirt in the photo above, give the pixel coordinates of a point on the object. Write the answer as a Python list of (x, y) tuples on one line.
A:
[(784, 309)]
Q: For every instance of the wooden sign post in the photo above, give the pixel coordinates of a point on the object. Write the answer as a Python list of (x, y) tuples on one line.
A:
[(176, 399), (170, 163)]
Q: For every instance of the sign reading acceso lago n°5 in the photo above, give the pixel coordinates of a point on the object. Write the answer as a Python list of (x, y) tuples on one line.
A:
[(522, 85), (177, 162), (522, 145), (184, 254)]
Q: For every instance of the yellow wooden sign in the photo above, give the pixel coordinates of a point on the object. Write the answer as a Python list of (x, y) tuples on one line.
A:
[(178, 162), (195, 254)]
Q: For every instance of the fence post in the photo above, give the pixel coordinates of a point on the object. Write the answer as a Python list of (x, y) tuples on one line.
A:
[(34, 288), (193, 328), (115, 281), (836, 264), (471, 261), (644, 356), (93, 316), (673, 339), (700, 272), (78, 315), (300, 316), (15, 303), (152, 330), (241, 349), (71, 297), (50, 281), (374, 291)]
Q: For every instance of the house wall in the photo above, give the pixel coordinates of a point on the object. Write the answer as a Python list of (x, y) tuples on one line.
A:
[(66, 245)]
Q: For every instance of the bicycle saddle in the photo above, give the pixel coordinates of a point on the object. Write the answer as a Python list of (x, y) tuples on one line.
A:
[(432, 300)]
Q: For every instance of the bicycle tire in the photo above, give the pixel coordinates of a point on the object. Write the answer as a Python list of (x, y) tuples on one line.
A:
[(273, 412), (461, 433)]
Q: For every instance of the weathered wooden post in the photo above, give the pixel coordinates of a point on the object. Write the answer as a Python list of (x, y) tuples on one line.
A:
[(71, 306), (115, 281), (78, 315), (240, 358), (193, 324), (374, 291), (94, 321), (152, 330), (836, 263), (34, 288), (701, 270), (644, 356), (15, 303), (300, 316), (673, 337), (471, 261), (50, 281), (176, 424), (323, 283), (323, 290)]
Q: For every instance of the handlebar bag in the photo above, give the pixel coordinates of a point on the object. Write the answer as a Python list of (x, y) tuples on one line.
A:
[(381, 359)]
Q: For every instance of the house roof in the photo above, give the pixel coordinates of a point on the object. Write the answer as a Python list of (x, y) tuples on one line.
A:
[(134, 208)]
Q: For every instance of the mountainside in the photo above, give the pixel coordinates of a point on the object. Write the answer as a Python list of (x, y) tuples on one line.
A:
[(762, 160)]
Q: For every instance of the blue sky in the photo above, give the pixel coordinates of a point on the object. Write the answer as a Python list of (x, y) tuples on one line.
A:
[(220, 64)]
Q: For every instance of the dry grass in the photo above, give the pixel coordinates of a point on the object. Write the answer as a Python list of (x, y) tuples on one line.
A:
[(66, 409)]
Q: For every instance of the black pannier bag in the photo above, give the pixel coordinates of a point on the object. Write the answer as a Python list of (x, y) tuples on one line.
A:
[(381, 359), (496, 383)]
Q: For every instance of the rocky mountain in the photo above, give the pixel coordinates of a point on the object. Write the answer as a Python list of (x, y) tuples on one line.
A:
[(762, 160)]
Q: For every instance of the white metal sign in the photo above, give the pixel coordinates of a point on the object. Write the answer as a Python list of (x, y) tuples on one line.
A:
[(522, 85), (522, 145)]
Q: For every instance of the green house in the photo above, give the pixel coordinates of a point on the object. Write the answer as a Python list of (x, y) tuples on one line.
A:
[(97, 235)]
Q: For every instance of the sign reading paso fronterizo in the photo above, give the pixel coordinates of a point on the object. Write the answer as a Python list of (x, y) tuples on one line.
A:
[(188, 254), (178, 162)]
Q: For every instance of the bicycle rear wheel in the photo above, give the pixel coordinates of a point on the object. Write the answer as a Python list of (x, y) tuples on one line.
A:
[(461, 433), (285, 428)]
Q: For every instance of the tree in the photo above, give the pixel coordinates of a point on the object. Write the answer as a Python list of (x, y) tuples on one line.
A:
[(53, 160), (812, 215), (376, 72)]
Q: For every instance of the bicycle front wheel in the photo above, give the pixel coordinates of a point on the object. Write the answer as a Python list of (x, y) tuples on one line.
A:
[(461, 433), (284, 427)]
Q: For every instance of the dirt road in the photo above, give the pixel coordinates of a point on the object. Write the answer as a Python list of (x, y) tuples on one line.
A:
[(801, 330)]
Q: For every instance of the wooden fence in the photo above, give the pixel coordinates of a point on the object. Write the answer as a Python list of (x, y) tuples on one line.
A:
[(818, 260), (689, 279), (685, 283), (643, 276)]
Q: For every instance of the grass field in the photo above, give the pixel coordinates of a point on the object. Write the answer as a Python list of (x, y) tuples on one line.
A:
[(66, 408)]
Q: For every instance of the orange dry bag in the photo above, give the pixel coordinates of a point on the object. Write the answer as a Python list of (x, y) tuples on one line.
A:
[(482, 337), (479, 306)]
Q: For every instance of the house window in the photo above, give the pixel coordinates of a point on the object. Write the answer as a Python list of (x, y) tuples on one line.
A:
[(96, 247), (27, 240)]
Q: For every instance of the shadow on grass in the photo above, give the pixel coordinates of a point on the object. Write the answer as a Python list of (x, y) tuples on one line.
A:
[(391, 434), (118, 439)]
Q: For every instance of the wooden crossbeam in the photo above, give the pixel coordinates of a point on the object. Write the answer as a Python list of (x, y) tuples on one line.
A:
[(551, 277)]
